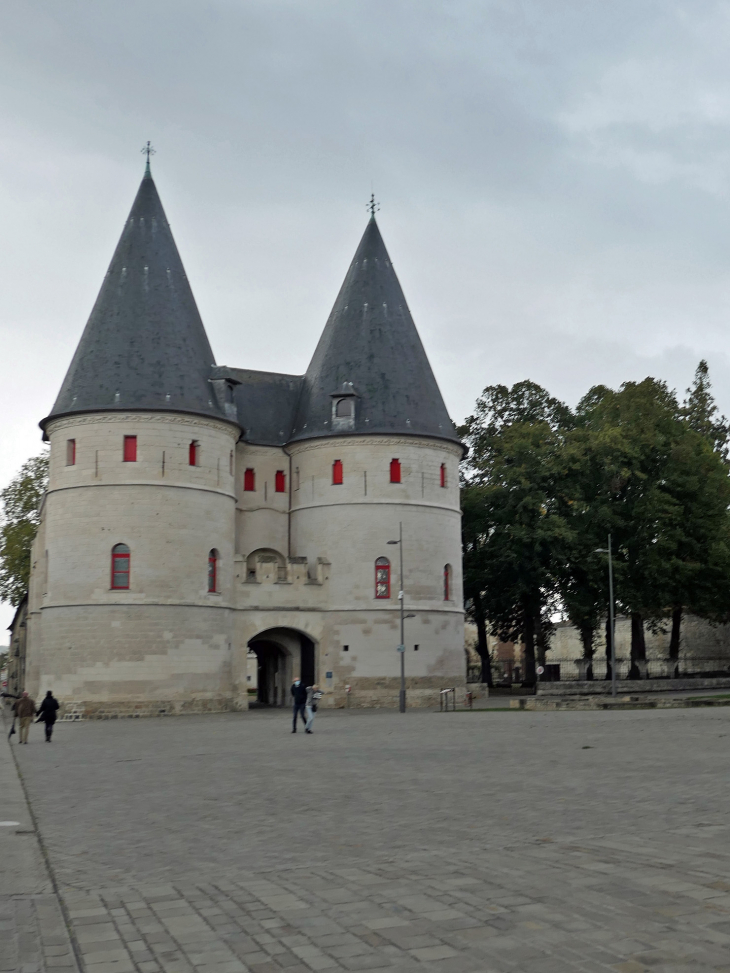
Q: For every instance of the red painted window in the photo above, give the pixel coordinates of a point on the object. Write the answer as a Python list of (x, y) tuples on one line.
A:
[(130, 449), (70, 452), (213, 570), (443, 474), (337, 471), (280, 482), (382, 578), (447, 582), (193, 453), (395, 471), (120, 567), (249, 479)]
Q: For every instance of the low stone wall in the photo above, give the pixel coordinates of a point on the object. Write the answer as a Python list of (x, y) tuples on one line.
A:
[(383, 693), (129, 709), (602, 687)]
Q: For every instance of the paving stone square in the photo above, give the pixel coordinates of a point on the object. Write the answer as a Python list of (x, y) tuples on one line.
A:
[(488, 842)]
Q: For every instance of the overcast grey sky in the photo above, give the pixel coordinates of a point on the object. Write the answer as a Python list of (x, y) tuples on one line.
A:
[(554, 180)]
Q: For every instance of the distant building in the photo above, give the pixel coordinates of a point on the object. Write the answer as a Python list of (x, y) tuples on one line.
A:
[(198, 512)]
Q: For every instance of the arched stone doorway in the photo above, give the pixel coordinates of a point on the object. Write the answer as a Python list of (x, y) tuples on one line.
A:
[(282, 654)]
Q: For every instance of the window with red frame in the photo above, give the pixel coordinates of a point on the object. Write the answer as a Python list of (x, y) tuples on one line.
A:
[(249, 480), (382, 578), (337, 472), (70, 452), (395, 471), (443, 474), (120, 567), (213, 570), (447, 582), (193, 453), (130, 449), (280, 482)]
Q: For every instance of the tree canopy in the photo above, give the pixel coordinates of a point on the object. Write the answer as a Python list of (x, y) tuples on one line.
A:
[(19, 520), (544, 485)]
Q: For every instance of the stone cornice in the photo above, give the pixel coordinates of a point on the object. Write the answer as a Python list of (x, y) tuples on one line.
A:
[(175, 418), (340, 442)]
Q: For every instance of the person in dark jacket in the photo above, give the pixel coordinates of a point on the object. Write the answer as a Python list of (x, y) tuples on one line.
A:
[(47, 713), (299, 697)]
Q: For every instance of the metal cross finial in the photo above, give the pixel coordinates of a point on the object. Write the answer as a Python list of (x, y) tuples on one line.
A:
[(148, 150), (372, 206)]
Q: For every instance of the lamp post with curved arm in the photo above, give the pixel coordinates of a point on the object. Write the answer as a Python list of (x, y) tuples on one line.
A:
[(402, 646)]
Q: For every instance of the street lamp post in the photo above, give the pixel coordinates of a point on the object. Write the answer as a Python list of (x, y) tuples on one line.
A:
[(402, 646), (612, 625)]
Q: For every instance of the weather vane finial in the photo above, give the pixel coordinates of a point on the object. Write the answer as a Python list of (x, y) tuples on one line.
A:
[(373, 206), (148, 151)]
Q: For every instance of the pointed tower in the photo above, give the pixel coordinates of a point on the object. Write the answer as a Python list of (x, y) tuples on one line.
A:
[(370, 350), (132, 578), (144, 346), (373, 453)]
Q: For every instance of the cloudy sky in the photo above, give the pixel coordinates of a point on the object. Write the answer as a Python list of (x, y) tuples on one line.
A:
[(554, 178)]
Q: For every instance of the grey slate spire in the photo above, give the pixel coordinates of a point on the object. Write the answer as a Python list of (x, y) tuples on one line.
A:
[(144, 347), (370, 351)]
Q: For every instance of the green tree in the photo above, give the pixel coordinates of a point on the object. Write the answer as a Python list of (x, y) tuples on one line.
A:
[(701, 412), (512, 531), (19, 521)]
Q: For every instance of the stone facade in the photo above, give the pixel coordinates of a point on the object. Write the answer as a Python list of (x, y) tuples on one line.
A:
[(295, 563)]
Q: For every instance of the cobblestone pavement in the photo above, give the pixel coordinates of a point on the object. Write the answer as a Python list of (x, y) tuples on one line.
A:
[(492, 841)]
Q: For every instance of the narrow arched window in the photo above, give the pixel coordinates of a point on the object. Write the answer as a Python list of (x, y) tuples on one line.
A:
[(447, 582), (120, 567), (345, 409), (382, 578), (193, 452), (443, 474), (213, 570), (70, 452), (249, 480), (337, 472), (395, 471)]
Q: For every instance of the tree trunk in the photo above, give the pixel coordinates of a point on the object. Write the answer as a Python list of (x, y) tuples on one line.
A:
[(638, 645), (676, 628), (586, 637), (529, 640), (609, 673), (482, 643)]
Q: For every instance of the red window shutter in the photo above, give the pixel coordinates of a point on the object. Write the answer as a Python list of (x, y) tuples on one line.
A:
[(70, 452), (212, 573), (193, 453), (382, 578), (395, 471), (280, 482), (337, 471), (130, 449), (249, 480), (443, 474)]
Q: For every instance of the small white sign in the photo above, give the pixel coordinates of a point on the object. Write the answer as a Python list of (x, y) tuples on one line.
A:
[(540, 670)]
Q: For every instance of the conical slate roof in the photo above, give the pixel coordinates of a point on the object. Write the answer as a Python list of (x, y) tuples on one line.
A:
[(144, 346), (370, 347)]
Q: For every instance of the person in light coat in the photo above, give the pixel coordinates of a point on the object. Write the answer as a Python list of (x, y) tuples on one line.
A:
[(310, 708)]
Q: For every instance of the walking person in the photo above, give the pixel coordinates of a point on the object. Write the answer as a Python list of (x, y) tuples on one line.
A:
[(299, 698), (24, 709), (47, 713), (313, 695)]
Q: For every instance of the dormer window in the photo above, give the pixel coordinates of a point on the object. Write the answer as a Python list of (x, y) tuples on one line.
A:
[(344, 408)]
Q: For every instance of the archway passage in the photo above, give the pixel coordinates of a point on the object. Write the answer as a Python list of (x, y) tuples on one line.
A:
[(282, 654)]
